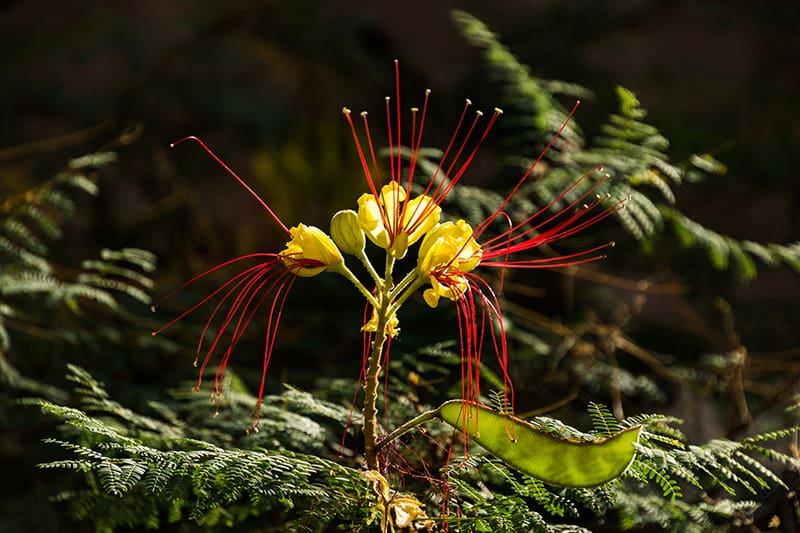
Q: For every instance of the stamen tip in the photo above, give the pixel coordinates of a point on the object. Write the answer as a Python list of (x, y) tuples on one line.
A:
[(172, 145), (386, 98), (498, 110), (427, 92), (364, 113), (612, 244), (153, 308), (153, 333), (345, 111), (479, 113), (414, 109), (469, 102)]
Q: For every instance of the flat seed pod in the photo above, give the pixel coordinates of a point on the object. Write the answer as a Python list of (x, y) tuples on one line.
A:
[(554, 460)]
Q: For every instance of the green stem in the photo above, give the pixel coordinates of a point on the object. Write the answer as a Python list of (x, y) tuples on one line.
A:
[(410, 278), (411, 289), (399, 431), (370, 410), (344, 271), (371, 269)]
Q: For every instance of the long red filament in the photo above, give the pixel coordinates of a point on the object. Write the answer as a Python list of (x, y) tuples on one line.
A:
[(532, 166), (363, 159), (232, 173)]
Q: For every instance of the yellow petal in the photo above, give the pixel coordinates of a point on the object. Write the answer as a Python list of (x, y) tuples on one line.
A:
[(310, 251), (431, 297), (371, 220), (451, 246), (381, 221)]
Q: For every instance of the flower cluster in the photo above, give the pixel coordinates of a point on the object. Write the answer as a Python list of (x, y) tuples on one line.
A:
[(395, 219)]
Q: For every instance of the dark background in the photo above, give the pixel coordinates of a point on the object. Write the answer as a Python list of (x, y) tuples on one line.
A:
[(263, 83)]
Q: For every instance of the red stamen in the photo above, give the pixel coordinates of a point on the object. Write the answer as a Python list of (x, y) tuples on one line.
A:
[(450, 144), (364, 165), (272, 333), (196, 278), (524, 177), (232, 173), (397, 108)]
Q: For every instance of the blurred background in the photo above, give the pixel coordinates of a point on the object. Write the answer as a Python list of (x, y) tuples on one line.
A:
[(263, 83)]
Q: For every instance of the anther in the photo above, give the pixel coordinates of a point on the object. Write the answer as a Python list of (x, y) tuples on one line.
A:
[(364, 113), (345, 111), (498, 110), (414, 109), (479, 113), (427, 92), (469, 102)]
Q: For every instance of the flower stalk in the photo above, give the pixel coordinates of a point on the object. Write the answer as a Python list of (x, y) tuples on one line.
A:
[(373, 373)]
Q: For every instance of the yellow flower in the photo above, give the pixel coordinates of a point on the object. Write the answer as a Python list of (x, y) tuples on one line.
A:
[(391, 328), (394, 224), (446, 254), (310, 251)]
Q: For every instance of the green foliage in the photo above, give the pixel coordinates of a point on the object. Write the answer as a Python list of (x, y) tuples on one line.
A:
[(144, 471), (655, 490), (725, 252), (632, 153), (179, 467), (30, 280)]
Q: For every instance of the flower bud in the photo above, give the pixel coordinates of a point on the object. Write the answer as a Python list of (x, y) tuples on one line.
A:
[(346, 232)]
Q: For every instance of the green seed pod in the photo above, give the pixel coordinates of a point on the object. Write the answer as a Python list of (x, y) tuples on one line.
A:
[(552, 459), (346, 232)]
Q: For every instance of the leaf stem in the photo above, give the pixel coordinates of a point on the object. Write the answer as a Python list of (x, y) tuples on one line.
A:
[(399, 431), (344, 271)]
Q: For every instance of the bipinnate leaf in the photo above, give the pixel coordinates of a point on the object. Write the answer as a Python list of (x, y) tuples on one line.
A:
[(544, 456)]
